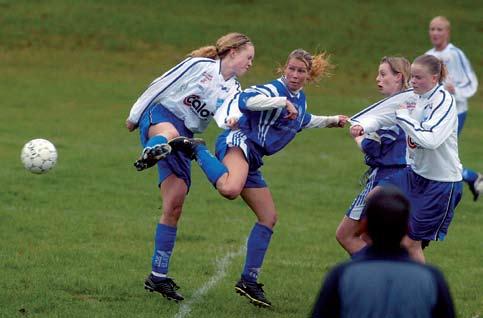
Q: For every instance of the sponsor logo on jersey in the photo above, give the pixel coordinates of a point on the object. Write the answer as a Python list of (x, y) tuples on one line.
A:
[(219, 102), (197, 105), (409, 104), (206, 77), (411, 143)]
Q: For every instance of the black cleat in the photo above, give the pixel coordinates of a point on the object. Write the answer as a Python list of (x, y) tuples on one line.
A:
[(151, 155), (186, 145), (253, 291), (165, 287), (474, 187)]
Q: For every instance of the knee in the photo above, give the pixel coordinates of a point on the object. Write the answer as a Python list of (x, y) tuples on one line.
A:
[(172, 213), (343, 236), (269, 219), (229, 192)]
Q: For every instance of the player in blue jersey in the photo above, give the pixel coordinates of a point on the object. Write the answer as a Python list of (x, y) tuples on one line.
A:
[(384, 150), (272, 114), (461, 82), (182, 102), (433, 180)]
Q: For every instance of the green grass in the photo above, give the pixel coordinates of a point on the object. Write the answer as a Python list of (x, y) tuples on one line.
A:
[(77, 242)]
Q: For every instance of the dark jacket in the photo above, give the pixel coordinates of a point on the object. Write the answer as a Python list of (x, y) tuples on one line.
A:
[(384, 283)]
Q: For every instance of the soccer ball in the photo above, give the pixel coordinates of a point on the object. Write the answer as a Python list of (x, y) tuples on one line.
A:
[(38, 156)]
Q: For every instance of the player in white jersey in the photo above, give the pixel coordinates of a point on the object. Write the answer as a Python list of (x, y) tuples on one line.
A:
[(272, 115), (461, 82), (182, 102), (433, 181), (384, 150)]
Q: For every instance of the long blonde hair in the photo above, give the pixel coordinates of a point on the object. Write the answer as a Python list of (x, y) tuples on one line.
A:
[(399, 65), (434, 65), (223, 46), (318, 65)]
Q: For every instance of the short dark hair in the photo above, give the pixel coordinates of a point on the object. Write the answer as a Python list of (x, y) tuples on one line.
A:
[(387, 212)]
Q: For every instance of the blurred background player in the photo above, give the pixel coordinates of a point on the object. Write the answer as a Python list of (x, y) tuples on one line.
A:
[(461, 82), (382, 281), (384, 150), (181, 102), (272, 114), (433, 181)]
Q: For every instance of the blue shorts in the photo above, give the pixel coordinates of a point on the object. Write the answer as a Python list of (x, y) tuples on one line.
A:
[(176, 163), (236, 138), (356, 210), (432, 203)]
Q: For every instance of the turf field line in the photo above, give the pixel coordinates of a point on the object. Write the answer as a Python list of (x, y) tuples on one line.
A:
[(221, 268)]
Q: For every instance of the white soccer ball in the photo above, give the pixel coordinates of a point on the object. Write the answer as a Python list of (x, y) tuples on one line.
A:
[(38, 156)]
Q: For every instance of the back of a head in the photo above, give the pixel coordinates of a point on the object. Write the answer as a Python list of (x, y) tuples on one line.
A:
[(387, 212)]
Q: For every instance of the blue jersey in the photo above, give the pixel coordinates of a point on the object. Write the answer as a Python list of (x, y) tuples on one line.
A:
[(268, 129), (387, 150)]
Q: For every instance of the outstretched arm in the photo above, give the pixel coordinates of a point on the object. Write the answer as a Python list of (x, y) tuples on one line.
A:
[(315, 121)]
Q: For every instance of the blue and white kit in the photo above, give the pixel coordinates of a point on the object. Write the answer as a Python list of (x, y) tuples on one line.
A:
[(435, 172), (262, 128), (384, 151), (187, 96), (460, 74), (192, 90)]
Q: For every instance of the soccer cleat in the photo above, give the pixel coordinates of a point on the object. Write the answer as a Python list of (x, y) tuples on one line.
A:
[(475, 187), (151, 155), (253, 291), (165, 287), (186, 145)]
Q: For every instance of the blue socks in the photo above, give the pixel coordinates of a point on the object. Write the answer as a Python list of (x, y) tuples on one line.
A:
[(153, 141), (211, 166), (257, 246), (163, 247), (469, 176)]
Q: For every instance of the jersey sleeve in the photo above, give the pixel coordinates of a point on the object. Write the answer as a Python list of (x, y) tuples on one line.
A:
[(467, 85), (376, 115), (163, 84), (229, 108), (257, 99), (433, 131), (314, 121)]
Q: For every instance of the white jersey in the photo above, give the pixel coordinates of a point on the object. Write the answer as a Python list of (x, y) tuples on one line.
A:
[(430, 121), (193, 90), (460, 74)]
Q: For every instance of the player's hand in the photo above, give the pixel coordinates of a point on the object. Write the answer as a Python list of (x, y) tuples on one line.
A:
[(357, 130), (130, 125), (343, 119), (292, 111), (232, 123)]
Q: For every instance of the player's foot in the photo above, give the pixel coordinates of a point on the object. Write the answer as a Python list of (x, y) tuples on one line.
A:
[(186, 145), (164, 286), (475, 187), (253, 291), (151, 155)]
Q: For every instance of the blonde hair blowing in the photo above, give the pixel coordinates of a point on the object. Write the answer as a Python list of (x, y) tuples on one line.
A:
[(435, 66), (223, 46), (318, 65), (399, 65)]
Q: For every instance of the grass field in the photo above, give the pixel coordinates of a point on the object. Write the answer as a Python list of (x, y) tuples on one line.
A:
[(77, 242)]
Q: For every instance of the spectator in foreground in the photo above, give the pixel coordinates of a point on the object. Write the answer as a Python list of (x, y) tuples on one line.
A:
[(381, 280)]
